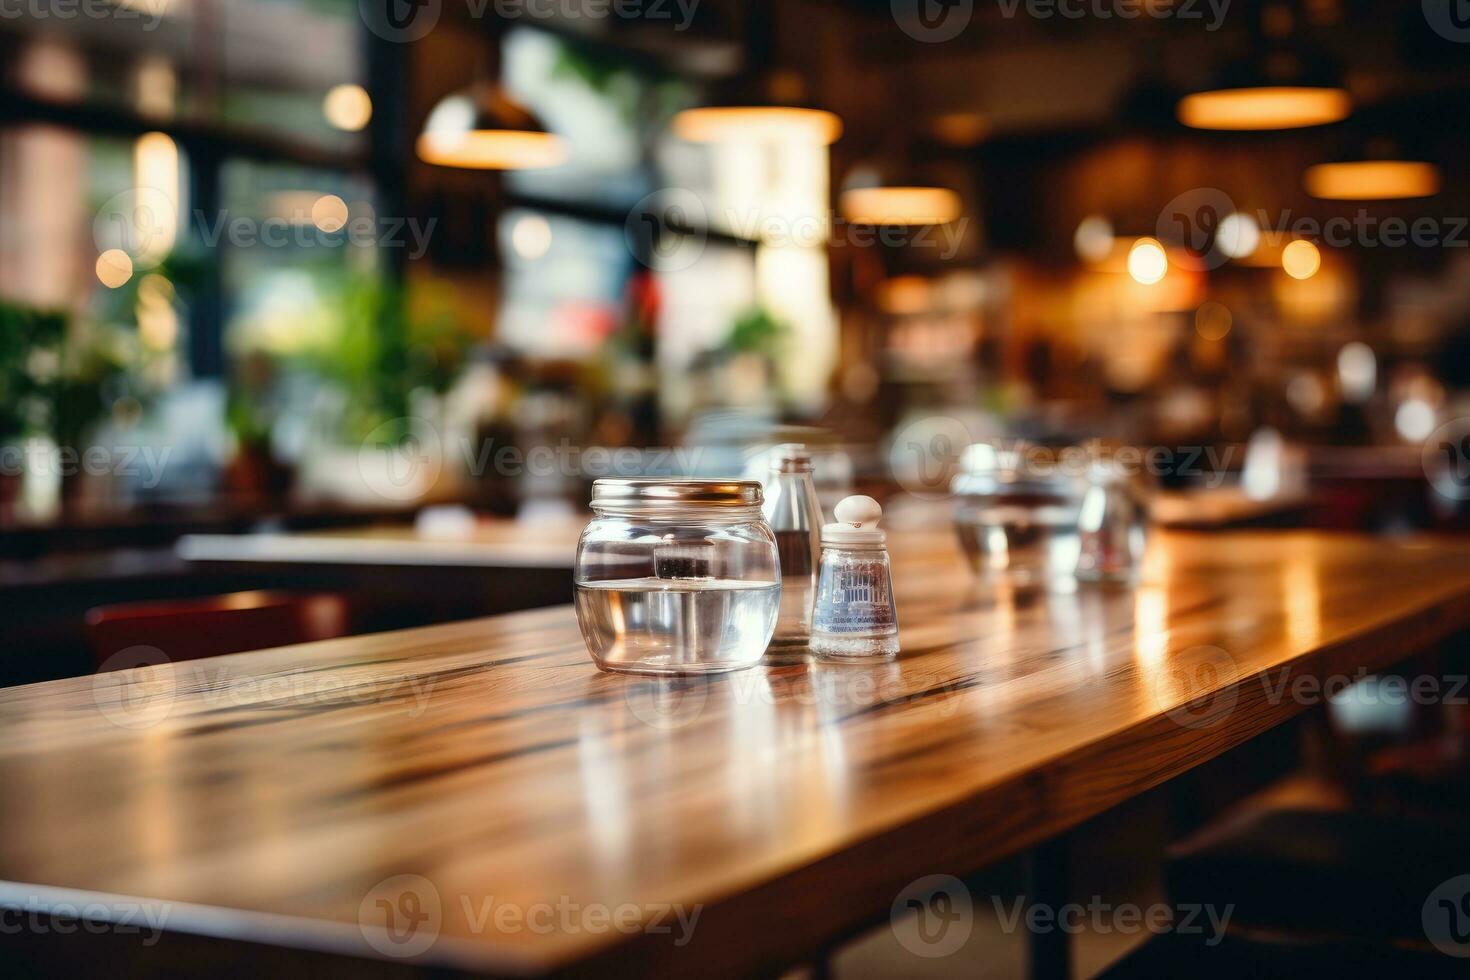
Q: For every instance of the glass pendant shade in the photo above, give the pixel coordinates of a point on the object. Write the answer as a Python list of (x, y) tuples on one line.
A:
[(874, 196), (771, 110), (1287, 88), (482, 128), (1372, 180)]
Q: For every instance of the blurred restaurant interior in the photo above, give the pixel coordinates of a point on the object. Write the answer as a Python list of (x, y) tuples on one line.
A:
[(318, 319)]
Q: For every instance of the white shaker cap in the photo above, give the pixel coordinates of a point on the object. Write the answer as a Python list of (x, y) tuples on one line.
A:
[(857, 522)]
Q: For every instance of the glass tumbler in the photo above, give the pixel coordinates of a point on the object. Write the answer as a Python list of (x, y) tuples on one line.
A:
[(1112, 525), (677, 576), (1015, 520)]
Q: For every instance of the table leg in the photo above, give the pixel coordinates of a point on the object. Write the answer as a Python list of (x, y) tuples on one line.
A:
[(1048, 884)]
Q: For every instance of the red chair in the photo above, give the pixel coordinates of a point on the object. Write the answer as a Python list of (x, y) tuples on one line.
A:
[(191, 629)]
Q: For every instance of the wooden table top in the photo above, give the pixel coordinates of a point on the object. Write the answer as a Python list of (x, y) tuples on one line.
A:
[(282, 795), (1220, 507)]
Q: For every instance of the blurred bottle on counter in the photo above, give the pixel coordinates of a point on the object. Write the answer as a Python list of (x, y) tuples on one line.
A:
[(792, 510), (1016, 514), (1112, 525)]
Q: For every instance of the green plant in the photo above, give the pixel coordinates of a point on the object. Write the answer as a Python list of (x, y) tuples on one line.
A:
[(94, 360), (247, 404), (644, 97), (30, 359), (380, 354), (756, 331)]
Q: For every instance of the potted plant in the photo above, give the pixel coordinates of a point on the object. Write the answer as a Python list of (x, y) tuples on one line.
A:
[(254, 471), (30, 359), (389, 360)]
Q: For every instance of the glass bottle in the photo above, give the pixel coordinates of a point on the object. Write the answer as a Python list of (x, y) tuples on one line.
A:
[(795, 516), (1111, 525), (855, 614)]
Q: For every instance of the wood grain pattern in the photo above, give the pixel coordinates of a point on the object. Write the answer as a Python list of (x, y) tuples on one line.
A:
[(266, 795), (1221, 507)]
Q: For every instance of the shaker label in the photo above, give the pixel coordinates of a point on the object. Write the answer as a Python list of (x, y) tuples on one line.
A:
[(854, 600)]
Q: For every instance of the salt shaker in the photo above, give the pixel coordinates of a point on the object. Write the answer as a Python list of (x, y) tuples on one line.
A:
[(855, 614), (792, 510), (1111, 526)]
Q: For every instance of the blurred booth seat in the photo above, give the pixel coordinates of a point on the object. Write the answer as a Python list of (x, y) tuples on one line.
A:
[(192, 629)]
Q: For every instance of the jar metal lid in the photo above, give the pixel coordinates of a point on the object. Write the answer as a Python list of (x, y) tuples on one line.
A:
[(677, 493)]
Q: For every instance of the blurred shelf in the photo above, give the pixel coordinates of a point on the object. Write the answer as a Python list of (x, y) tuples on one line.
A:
[(160, 525), (19, 107)]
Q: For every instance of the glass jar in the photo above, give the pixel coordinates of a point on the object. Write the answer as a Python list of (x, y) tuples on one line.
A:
[(677, 576), (1016, 518)]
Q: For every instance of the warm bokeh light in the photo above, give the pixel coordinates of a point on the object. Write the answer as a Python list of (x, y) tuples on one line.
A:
[(158, 320), (1265, 463), (1147, 261), (900, 205), (154, 288), (156, 87), (1357, 371), (1093, 238), (961, 128), (492, 149), (114, 268), (483, 128), (1301, 259), (531, 237), (1212, 320), (1414, 420), (904, 295), (727, 124), (1306, 393), (348, 107), (1238, 235), (1268, 107), (156, 214), (329, 213), (1372, 180)]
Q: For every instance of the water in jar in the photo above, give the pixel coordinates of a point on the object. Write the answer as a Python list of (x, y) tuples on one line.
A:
[(677, 625)]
